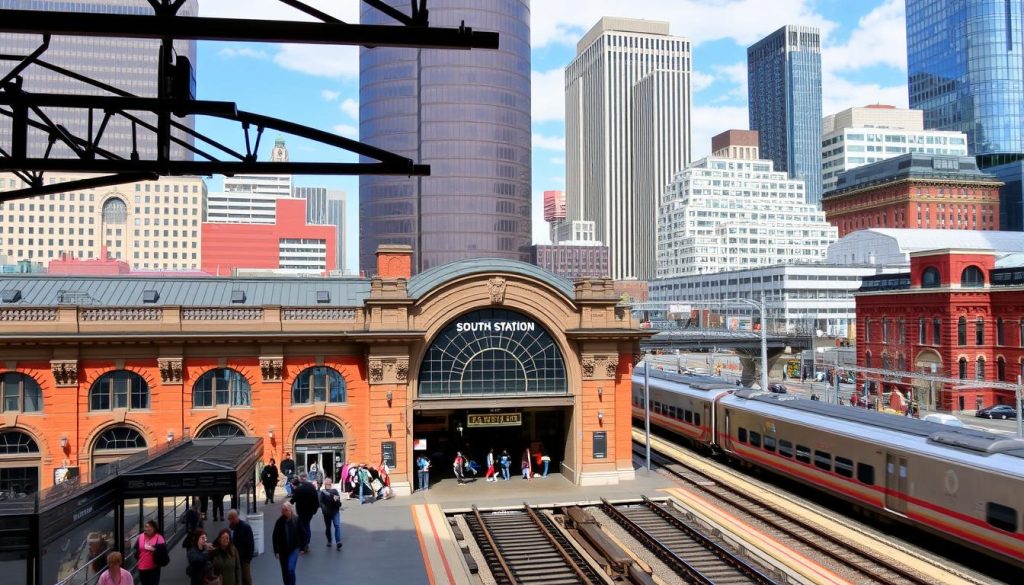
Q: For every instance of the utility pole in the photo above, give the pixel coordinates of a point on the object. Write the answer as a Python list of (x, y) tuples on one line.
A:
[(764, 346), (1020, 416), (647, 410)]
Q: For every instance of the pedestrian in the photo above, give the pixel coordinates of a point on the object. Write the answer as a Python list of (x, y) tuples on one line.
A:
[(115, 573), (330, 507), (199, 558), (226, 562), (491, 475), (385, 478), (306, 505), (287, 538), (527, 464), (545, 460), (506, 463), (364, 480), (269, 477), (288, 469), (314, 475), (218, 508), (151, 548), (193, 521), (457, 466), (423, 471), (244, 540)]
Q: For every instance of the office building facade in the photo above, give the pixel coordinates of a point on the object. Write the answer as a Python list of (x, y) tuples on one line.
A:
[(965, 69), (126, 63), (784, 81), (627, 122), (572, 260), (326, 207), (467, 115)]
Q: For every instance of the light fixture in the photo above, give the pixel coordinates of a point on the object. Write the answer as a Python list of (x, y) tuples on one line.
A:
[(389, 396), (64, 442), (458, 427), (600, 391), (270, 433), (170, 436), (600, 415), (389, 428)]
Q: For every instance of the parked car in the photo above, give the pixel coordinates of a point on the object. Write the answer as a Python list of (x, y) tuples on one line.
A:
[(777, 388), (998, 411), (945, 419)]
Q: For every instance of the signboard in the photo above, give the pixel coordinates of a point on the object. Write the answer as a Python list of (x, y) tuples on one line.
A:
[(387, 453), (419, 444), (739, 323), (680, 309), (505, 419), (600, 444)]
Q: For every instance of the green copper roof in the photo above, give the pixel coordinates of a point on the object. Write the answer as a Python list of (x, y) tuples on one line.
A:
[(428, 280)]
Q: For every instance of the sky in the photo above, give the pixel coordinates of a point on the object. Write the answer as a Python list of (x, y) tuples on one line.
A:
[(863, 62)]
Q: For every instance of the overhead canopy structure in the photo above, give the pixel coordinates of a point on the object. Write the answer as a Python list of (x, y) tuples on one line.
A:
[(200, 467)]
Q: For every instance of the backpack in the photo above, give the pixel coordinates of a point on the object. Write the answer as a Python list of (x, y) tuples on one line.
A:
[(161, 556)]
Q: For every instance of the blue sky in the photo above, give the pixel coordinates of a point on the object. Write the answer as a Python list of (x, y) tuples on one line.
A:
[(863, 62)]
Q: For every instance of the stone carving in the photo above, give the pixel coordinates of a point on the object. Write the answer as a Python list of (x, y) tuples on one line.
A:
[(376, 371), (65, 372), (637, 358), (620, 313), (402, 371), (611, 367), (588, 367), (272, 369), (170, 370), (496, 286), (600, 367)]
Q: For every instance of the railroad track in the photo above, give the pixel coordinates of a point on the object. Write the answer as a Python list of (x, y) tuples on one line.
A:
[(869, 567), (691, 553), (525, 547)]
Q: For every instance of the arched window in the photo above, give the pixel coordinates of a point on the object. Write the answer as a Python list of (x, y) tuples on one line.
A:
[(19, 465), (115, 444), (21, 393), (1001, 369), (922, 331), (886, 362), (961, 331), (930, 278), (979, 368), (963, 368), (115, 212), (979, 331), (119, 389), (867, 359), (999, 331), (318, 384), (221, 430), (972, 277), (867, 330), (319, 429), (885, 332), (936, 331), (901, 363), (222, 386)]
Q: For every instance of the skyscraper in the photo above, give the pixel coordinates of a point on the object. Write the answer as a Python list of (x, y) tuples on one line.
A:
[(784, 90), (125, 63), (627, 130), (467, 115), (326, 207), (965, 69)]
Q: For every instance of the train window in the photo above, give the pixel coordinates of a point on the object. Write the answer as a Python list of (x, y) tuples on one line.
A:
[(688, 416), (823, 460), (743, 435), (696, 418), (844, 467), (769, 443), (866, 473), (657, 407), (803, 454), (755, 439), (785, 448), (1000, 516)]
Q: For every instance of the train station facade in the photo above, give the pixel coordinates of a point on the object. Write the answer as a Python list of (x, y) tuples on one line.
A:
[(473, 355)]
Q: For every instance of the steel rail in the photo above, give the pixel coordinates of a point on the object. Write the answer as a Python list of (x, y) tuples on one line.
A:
[(557, 545), (494, 546)]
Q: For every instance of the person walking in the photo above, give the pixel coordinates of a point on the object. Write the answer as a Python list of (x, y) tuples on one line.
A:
[(457, 466), (306, 505), (244, 540), (423, 471), (288, 469), (314, 476), (364, 480), (226, 562), (545, 460), (527, 464), (330, 507), (287, 538), (193, 521), (218, 508), (115, 573), (491, 475), (147, 544), (506, 463), (198, 558), (269, 477)]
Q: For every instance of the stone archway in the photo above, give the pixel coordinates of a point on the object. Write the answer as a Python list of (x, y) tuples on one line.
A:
[(927, 361)]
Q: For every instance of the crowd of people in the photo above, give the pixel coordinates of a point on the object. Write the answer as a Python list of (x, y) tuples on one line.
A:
[(535, 463)]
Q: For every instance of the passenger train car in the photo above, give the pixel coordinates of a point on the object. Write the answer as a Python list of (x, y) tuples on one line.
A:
[(965, 485)]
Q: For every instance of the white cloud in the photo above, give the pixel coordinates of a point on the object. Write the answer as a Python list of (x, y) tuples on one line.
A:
[(548, 95), (346, 130), (329, 95), (548, 142), (708, 121), (351, 108), (737, 75), (840, 93), (700, 80), (248, 52), (879, 39), (557, 160), (275, 10), (320, 60)]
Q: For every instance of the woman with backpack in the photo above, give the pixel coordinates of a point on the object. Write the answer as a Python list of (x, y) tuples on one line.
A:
[(152, 554)]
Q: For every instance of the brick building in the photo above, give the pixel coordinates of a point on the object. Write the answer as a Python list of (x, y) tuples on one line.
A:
[(572, 261), (914, 190), (957, 313), (331, 370)]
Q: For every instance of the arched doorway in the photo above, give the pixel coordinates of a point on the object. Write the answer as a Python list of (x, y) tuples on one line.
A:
[(221, 429), (19, 465), (115, 444), (927, 361), (320, 441), (114, 231)]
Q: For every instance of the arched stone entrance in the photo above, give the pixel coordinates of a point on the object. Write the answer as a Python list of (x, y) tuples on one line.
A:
[(928, 361), (320, 441)]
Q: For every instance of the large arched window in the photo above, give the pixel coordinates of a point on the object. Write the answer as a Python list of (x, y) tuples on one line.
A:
[(962, 368), (119, 389), (21, 393), (1000, 335), (930, 278), (115, 212), (220, 430), (961, 331), (1001, 369), (319, 429), (222, 386), (318, 384), (979, 368), (115, 444), (867, 359), (972, 277), (979, 331), (19, 465)]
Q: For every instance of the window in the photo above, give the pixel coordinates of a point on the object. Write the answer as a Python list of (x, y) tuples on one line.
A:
[(972, 277), (867, 359), (803, 454), (785, 448), (979, 368), (930, 278), (221, 386), (961, 331), (844, 466), (120, 389), (742, 435), (319, 429), (755, 438), (823, 460), (220, 430), (979, 331), (19, 465), (1001, 369), (867, 331), (999, 331), (21, 393), (688, 416), (922, 331), (769, 443), (1000, 516), (318, 384), (936, 331), (963, 368), (866, 474), (17, 443), (120, 438)]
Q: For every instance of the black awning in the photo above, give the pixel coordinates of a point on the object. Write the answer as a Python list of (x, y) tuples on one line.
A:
[(200, 467)]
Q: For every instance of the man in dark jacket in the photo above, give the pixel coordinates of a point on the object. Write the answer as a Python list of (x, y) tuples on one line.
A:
[(306, 506), (242, 538), (287, 540), (268, 477), (288, 469)]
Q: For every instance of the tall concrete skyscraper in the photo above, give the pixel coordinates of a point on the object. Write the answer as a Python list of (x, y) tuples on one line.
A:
[(627, 130), (784, 85), (467, 115), (965, 69), (128, 64)]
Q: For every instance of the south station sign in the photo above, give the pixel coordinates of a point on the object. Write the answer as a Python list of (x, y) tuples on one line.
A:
[(495, 326), (502, 419)]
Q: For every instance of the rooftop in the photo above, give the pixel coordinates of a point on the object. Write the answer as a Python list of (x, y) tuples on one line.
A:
[(913, 165), (918, 240)]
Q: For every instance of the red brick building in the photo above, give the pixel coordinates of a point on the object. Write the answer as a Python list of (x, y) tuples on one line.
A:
[(914, 191), (954, 314)]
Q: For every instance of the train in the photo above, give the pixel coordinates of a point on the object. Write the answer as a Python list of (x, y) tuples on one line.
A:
[(965, 485)]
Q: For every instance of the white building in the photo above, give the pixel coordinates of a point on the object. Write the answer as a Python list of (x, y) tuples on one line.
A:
[(891, 247), (859, 136), (627, 106), (576, 233), (796, 295), (728, 214), (251, 198)]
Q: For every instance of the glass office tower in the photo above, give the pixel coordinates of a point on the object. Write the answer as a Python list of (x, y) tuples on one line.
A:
[(128, 64), (966, 71), (467, 115), (784, 78)]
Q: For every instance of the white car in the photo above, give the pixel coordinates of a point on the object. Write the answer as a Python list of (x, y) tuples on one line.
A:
[(945, 419)]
